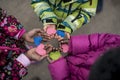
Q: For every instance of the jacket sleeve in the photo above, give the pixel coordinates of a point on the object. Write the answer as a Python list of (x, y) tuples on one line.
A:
[(13, 71), (83, 43), (59, 69), (10, 26), (79, 17), (44, 11)]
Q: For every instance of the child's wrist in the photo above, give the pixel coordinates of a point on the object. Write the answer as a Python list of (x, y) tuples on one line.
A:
[(24, 36), (24, 60)]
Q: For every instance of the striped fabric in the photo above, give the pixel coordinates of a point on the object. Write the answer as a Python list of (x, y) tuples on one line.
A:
[(69, 13)]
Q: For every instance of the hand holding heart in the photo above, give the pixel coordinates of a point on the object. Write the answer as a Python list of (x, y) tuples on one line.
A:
[(48, 49)]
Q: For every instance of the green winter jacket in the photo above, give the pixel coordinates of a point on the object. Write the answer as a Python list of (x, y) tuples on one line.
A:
[(68, 15)]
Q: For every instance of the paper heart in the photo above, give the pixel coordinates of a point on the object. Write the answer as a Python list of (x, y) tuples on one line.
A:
[(51, 30), (65, 48), (37, 40), (40, 50), (61, 33), (55, 55)]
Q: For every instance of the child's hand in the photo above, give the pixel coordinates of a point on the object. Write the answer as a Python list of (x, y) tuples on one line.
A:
[(29, 35), (32, 55), (50, 29)]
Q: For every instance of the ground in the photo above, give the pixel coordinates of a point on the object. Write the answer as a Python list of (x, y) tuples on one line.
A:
[(106, 21)]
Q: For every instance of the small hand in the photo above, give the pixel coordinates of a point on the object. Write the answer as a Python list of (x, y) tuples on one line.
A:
[(32, 55), (29, 35)]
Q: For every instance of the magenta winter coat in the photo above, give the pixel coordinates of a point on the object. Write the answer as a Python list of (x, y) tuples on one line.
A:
[(83, 52)]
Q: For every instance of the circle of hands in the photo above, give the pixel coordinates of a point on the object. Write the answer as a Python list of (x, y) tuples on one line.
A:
[(41, 36)]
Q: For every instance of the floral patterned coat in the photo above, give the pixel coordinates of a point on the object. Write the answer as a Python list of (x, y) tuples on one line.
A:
[(11, 46)]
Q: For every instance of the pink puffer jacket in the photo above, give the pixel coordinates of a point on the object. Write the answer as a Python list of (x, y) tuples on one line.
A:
[(83, 52)]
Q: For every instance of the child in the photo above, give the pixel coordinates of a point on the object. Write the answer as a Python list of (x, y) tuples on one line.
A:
[(14, 56), (107, 67), (65, 15), (83, 52)]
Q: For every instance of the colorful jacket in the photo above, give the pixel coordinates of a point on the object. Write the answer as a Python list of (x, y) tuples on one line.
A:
[(11, 46), (68, 15), (83, 52)]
